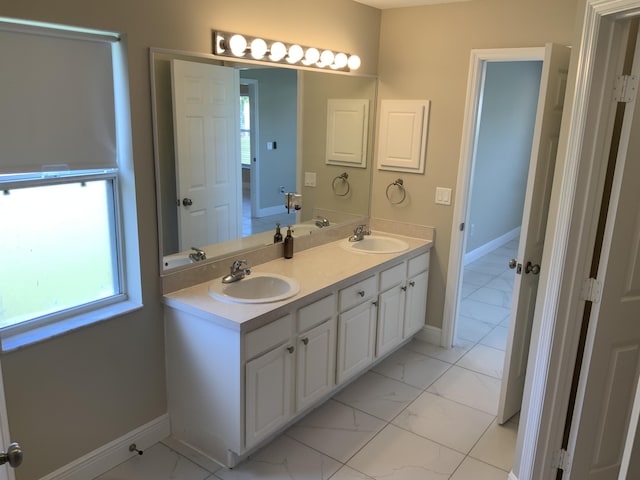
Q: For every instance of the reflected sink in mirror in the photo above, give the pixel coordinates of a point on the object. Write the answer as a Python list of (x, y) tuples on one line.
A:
[(255, 288), (376, 244), (176, 260)]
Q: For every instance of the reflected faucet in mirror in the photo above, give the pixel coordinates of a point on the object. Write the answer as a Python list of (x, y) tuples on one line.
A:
[(198, 254), (321, 222)]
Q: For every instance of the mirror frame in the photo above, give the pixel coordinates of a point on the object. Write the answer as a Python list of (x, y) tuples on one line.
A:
[(247, 247)]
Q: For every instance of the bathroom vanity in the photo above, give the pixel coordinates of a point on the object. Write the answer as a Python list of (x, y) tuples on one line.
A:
[(238, 374)]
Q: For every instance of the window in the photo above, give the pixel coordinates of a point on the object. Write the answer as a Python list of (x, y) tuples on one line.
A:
[(245, 129), (68, 250)]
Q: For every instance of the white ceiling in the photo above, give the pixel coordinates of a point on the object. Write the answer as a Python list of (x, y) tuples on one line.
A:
[(382, 4)]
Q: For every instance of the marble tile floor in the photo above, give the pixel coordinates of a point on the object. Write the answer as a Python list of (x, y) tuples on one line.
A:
[(423, 413)]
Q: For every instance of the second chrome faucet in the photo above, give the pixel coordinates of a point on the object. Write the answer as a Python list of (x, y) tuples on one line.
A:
[(239, 269)]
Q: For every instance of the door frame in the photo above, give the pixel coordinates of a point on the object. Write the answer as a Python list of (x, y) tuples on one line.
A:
[(475, 83), (576, 192), (254, 168)]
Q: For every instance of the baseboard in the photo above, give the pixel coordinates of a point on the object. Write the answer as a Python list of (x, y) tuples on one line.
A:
[(488, 247), (429, 334), (512, 476), (113, 453), (268, 211)]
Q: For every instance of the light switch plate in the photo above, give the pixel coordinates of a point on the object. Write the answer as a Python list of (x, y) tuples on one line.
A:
[(443, 196), (309, 179)]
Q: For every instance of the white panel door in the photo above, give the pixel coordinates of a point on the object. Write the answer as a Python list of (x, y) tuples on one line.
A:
[(611, 362), (347, 127), (416, 305), (6, 473), (356, 340), (390, 319), (207, 148), (534, 223)]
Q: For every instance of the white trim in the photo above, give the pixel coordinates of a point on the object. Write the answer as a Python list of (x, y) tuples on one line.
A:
[(557, 318), (113, 453), (461, 205), (429, 334), (512, 476), (490, 246)]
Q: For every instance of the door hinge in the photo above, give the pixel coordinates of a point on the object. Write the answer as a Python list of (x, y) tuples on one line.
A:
[(562, 460), (592, 290), (625, 88)]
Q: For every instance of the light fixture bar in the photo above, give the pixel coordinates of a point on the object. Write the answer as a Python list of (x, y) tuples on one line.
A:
[(236, 45)]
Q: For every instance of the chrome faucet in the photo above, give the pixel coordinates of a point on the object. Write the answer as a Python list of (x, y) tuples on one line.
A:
[(359, 233), (197, 255), (321, 222), (239, 269)]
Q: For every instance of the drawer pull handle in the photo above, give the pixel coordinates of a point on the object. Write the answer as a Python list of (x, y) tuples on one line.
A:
[(291, 349), (305, 340), (412, 283), (361, 293)]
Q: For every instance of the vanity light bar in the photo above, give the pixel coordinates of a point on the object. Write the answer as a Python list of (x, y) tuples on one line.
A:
[(242, 46)]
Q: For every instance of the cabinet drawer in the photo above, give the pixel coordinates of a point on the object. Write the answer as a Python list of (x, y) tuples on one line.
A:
[(392, 276), (357, 293), (418, 264), (267, 337), (316, 313)]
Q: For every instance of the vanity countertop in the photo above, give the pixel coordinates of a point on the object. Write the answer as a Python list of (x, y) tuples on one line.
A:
[(317, 270)]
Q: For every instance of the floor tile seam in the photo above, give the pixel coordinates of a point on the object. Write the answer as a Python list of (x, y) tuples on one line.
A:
[(198, 464), (488, 463), (449, 365), (484, 303), (433, 357), (439, 442), (461, 404), (480, 373), (316, 450)]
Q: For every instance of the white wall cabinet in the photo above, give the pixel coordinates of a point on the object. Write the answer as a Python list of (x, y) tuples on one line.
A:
[(229, 391)]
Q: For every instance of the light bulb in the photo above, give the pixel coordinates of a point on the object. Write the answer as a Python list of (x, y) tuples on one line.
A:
[(238, 45), (278, 51), (312, 56), (340, 60), (295, 54), (326, 58), (258, 48), (354, 62)]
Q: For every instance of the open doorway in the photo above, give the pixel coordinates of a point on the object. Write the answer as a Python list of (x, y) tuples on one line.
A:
[(509, 199)]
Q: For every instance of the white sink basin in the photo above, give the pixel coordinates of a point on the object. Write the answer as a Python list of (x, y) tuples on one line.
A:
[(176, 260), (255, 288), (376, 244), (301, 229)]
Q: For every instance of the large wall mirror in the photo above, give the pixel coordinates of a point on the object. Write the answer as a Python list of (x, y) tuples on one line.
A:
[(232, 138)]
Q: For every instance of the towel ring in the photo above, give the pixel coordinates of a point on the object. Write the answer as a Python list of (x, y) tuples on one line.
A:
[(400, 184), (343, 176)]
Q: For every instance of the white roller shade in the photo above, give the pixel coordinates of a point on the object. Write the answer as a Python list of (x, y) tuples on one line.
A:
[(56, 103)]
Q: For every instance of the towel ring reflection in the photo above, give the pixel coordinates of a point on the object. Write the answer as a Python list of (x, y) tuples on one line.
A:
[(400, 184), (334, 185)]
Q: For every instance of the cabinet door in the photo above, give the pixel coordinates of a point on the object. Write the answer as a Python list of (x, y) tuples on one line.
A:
[(416, 304), (316, 363), (268, 392), (356, 340), (390, 319)]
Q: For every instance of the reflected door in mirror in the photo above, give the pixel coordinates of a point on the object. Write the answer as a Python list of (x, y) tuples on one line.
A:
[(206, 113)]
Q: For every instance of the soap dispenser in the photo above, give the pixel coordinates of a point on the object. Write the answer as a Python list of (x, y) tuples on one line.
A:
[(288, 244), (277, 238)]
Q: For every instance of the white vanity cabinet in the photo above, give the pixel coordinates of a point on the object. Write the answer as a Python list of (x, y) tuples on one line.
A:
[(316, 352), (234, 383), (356, 328), (416, 294), (391, 306)]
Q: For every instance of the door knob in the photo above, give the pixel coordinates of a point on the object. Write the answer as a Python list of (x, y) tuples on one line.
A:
[(513, 263), (187, 202), (531, 268), (13, 455)]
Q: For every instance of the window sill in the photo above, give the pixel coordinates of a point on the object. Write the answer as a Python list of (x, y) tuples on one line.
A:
[(14, 338)]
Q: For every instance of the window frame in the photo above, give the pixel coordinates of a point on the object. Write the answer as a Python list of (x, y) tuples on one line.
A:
[(124, 228)]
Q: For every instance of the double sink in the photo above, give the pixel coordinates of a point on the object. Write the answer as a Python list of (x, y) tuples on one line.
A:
[(272, 287)]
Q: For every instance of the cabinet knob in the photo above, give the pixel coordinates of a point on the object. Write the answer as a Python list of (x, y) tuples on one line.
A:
[(305, 340), (361, 293), (412, 283), (375, 304), (291, 349), (403, 288)]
